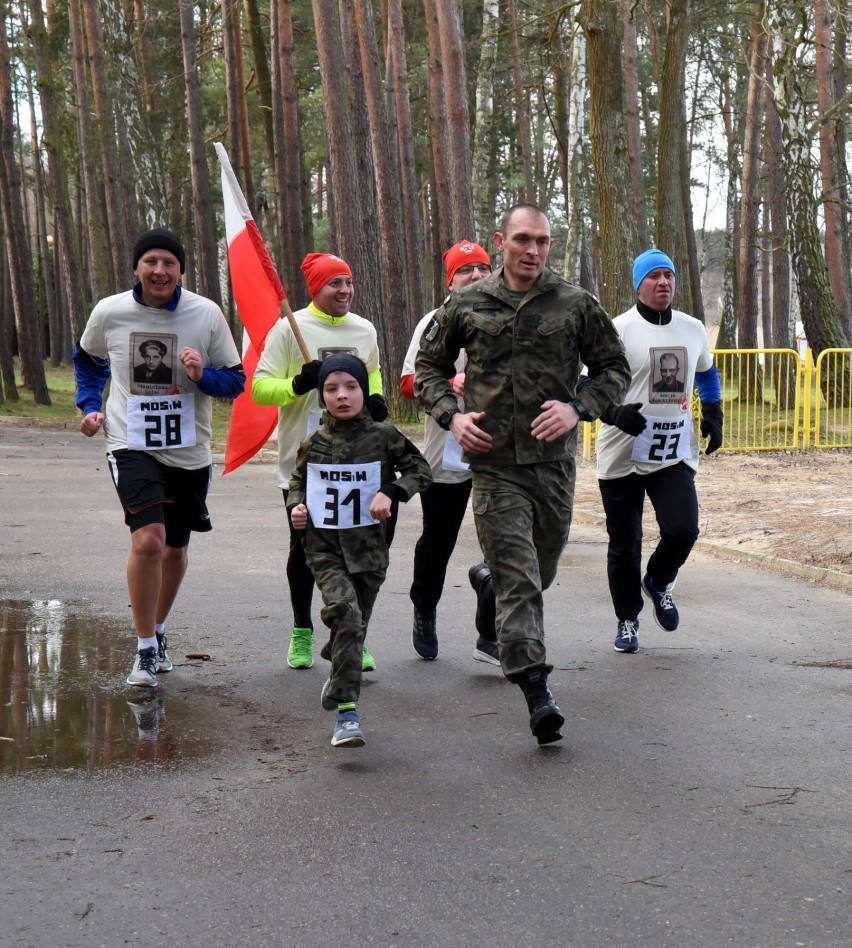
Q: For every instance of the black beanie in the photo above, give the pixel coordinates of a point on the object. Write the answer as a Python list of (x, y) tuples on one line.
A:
[(344, 362), (160, 239)]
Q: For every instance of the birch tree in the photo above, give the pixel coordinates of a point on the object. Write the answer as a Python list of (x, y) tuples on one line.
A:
[(818, 309)]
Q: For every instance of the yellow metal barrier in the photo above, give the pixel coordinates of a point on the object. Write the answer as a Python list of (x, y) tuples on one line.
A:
[(775, 401), (832, 393)]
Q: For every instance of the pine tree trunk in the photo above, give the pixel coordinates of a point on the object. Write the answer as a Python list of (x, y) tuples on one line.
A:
[(457, 119), (602, 22), (399, 112), (749, 217), (783, 329), (100, 273), (117, 237), (71, 323), (202, 210), (832, 167), (671, 211), (483, 139), (288, 154), (394, 324), (632, 125), (18, 257)]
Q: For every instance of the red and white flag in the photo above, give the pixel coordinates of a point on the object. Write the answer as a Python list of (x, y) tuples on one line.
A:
[(258, 294)]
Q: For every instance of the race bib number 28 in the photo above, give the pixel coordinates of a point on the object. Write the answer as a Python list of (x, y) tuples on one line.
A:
[(160, 422), (339, 495), (664, 440)]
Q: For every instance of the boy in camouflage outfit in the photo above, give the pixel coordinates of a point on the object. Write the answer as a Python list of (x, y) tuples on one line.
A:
[(341, 493)]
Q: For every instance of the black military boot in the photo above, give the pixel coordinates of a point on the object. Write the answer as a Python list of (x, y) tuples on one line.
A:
[(545, 717), (486, 609)]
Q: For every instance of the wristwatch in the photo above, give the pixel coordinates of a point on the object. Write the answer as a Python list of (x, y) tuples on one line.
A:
[(445, 419), (580, 408)]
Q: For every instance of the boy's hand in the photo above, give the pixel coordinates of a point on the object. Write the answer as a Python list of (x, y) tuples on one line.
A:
[(299, 516), (380, 507)]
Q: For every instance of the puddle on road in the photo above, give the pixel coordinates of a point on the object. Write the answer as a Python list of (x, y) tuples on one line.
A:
[(63, 701)]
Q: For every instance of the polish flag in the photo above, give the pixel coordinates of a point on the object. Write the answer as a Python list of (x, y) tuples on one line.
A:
[(258, 294)]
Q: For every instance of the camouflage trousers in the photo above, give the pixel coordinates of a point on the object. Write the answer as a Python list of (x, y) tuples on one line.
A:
[(348, 600), (523, 515)]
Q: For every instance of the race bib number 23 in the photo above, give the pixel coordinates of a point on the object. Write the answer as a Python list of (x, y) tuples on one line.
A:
[(160, 422), (664, 440)]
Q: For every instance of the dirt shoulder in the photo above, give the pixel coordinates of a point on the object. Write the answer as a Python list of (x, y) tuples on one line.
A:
[(783, 508)]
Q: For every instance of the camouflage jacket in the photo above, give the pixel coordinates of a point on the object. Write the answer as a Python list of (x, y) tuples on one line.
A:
[(519, 356), (353, 441)]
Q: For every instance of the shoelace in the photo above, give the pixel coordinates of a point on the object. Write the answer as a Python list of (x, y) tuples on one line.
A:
[(148, 661), (629, 630), (666, 601)]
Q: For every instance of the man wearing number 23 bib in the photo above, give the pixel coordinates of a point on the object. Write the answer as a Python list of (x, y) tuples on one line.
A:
[(166, 353), (648, 446)]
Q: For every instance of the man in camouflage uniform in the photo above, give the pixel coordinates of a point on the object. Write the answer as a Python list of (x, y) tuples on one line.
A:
[(526, 332), (349, 465)]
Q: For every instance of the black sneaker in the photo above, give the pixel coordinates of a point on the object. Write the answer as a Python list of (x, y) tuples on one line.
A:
[(486, 610), (665, 611), (486, 651), (545, 717), (424, 638)]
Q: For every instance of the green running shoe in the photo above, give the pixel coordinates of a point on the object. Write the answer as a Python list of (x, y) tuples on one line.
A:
[(368, 663), (300, 653)]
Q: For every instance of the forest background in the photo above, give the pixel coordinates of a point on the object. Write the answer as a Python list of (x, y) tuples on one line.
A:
[(386, 130)]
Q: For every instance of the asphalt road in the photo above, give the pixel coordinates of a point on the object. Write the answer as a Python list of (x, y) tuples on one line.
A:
[(701, 795)]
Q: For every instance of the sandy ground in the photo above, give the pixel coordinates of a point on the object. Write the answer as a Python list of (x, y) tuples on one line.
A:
[(793, 506)]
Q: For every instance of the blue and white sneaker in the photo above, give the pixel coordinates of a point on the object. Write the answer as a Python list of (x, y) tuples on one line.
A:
[(164, 663), (347, 730), (144, 673), (665, 611), (627, 636)]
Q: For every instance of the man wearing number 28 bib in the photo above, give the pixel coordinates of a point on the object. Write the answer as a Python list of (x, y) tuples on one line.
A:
[(157, 424), (648, 446)]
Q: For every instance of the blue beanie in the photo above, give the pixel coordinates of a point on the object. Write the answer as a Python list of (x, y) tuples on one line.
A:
[(648, 261)]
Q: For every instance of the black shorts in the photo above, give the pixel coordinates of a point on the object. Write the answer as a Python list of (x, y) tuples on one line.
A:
[(152, 492)]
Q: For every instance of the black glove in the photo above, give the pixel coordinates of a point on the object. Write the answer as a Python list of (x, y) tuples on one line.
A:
[(377, 407), (626, 417), (711, 425), (308, 378)]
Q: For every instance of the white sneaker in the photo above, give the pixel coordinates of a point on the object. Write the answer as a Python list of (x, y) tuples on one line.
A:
[(164, 663), (144, 673)]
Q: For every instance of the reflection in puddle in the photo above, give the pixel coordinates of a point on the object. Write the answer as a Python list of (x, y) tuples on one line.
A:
[(63, 703)]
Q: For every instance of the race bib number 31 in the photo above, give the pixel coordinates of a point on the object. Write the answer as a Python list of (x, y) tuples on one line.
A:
[(160, 422), (664, 440), (339, 495)]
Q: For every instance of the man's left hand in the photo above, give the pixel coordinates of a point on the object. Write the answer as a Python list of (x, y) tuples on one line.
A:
[(555, 420), (192, 362), (711, 425)]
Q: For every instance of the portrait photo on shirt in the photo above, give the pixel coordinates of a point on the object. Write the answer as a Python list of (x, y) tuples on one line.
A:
[(324, 352), (152, 363), (668, 372)]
